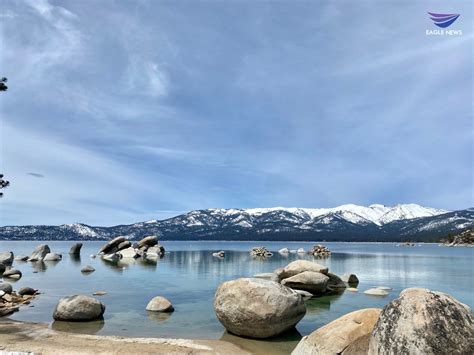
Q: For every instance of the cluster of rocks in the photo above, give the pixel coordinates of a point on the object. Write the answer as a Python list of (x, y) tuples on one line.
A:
[(261, 252), (271, 303), (10, 300), (462, 239), (121, 247), (219, 254), (320, 251), (419, 321)]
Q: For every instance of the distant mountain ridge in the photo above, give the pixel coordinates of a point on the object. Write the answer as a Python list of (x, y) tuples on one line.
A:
[(343, 223)]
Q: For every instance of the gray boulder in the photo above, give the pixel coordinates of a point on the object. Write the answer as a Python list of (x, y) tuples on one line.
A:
[(78, 308), (27, 291), (426, 322), (159, 304), (310, 281), (340, 336), (335, 283), (157, 250), (148, 241), (2, 269), (12, 274), (76, 249), (6, 258), (52, 257), (350, 279), (6, 287), (299, 266), (112, 246), (124, 245), (128, 253), (257, 308), (39, 253)]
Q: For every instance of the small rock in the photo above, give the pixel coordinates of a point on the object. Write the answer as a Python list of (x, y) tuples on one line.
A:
[(284, 251), (159, 304), (301, 251), (350, 279), (7, 297), (376, 292), (27, 291), (219, 254), (6, 287), (12, 274), (21, 258), (99, 293), (52, 257), (87, 269)]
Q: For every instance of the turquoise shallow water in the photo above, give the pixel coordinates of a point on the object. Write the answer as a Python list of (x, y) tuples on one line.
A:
[(188, 276)]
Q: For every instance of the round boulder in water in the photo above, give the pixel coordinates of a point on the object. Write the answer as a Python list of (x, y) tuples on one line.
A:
[(78, 308), (257, 308)]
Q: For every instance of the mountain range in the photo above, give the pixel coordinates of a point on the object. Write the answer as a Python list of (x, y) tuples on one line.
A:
[(407, 222)]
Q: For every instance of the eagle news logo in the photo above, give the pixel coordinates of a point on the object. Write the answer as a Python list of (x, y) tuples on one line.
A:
[(443, 21)]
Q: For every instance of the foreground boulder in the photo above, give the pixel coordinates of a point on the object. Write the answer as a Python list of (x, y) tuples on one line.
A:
[(421, 321), (299, 266), (78, 308), (6, 258), (12, 274), (342, 335), (159, 304), (39, 253), (310, 281), (76, 249), (257, 308)]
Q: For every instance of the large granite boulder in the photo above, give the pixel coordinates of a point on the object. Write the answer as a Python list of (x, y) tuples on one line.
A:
[(159, 304), (257, 308), (310, 281), (112, 246), (39, 253), (426, 322), (299, 266), (124, 245), (148, 241), (6, 258), (339, 336), (78, 308), (157, 250), (76, 249), (129, 253), (52, 257)]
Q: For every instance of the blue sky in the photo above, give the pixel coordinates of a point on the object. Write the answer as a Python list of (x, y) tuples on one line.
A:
[(124, 111)]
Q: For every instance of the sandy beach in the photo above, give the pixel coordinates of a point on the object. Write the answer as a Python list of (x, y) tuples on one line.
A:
[(38, 338)]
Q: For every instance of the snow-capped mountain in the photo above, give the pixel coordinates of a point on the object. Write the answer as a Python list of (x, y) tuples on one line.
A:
[(345, 223)]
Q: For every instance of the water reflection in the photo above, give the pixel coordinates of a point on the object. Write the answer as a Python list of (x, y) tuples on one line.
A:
[(39, 266), (321, 304), (76, 259), (159, 317), (279, 345), (90, 328)]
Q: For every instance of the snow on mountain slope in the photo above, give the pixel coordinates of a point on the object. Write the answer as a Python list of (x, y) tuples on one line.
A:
[(409, 211)]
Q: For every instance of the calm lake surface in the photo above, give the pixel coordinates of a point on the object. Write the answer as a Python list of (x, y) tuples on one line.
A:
[(188, 276)]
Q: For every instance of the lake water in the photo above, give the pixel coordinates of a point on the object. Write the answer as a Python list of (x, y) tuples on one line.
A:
[(188, 276)]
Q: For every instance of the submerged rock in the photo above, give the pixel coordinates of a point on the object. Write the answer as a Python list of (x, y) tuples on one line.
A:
[(310, 281), (376, 292), (76, 249), (299, 266), (159, 304), (87, 269), (6, 258), (39, 253), (78, 308), (421, 321), (257, 308), (12, 274), (21, 258), (339, 336)]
